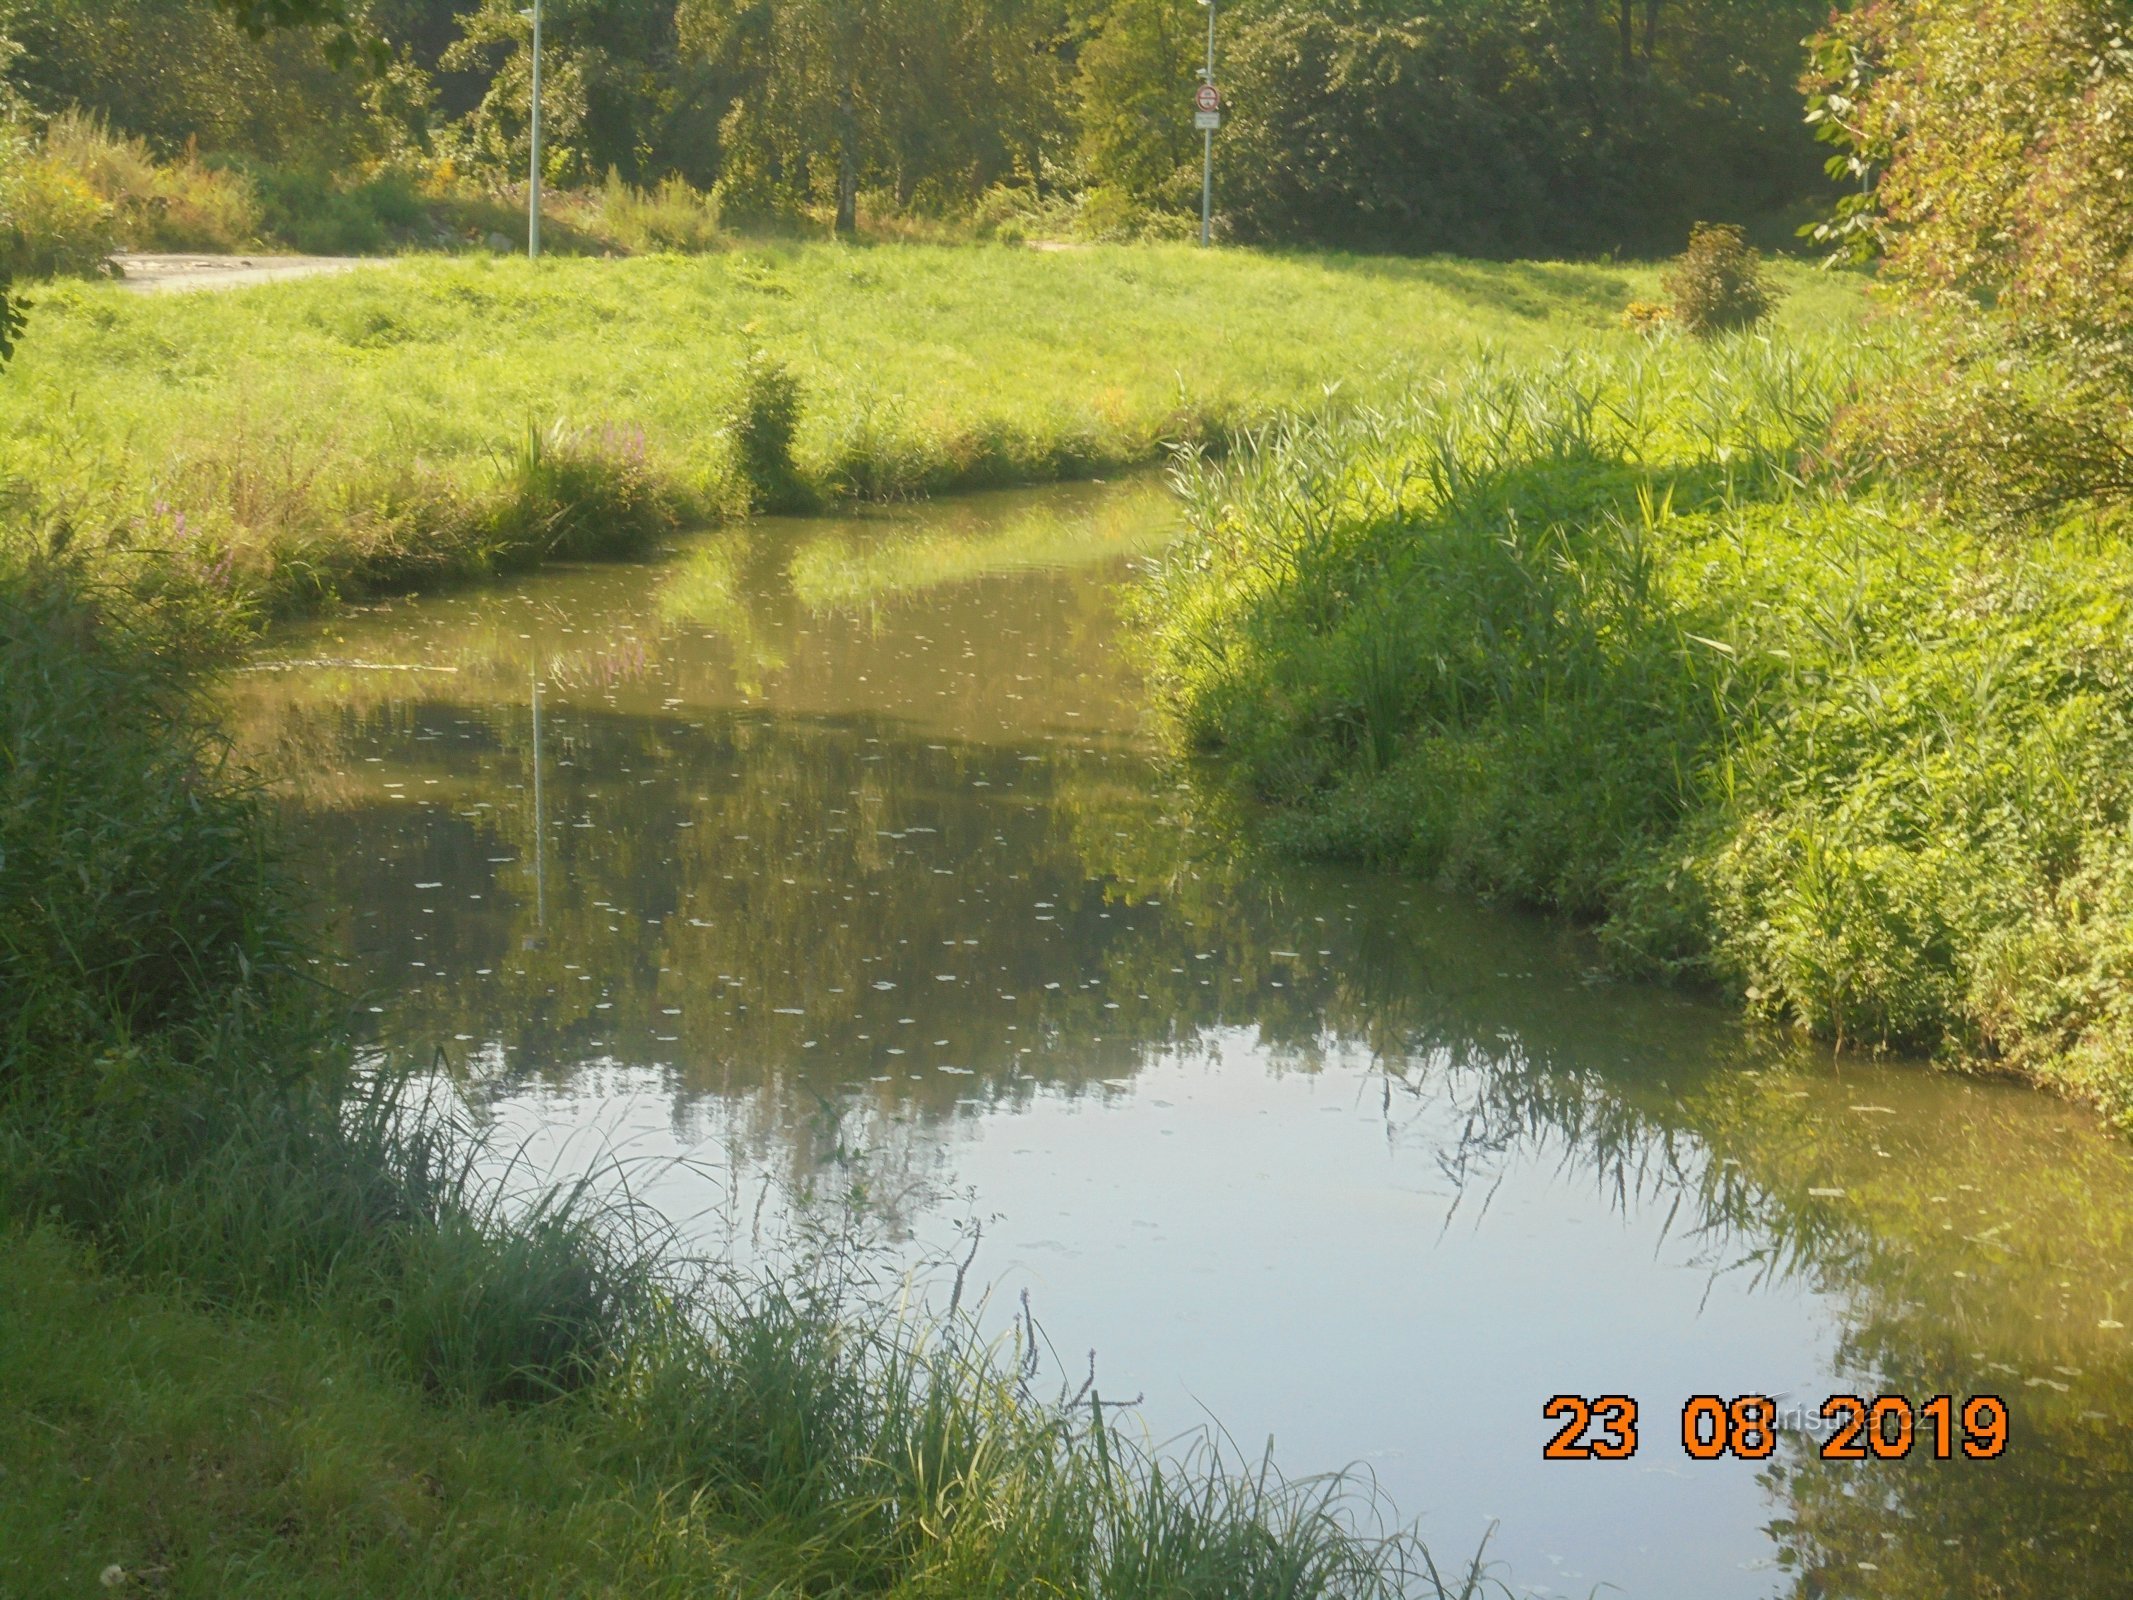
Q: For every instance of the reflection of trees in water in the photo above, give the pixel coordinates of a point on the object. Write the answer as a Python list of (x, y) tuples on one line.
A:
[(710, 870), (1971, 1238)]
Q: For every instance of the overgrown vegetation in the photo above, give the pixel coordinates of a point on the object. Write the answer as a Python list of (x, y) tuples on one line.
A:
[(1583, 636), (172, 1096), (1990, 141)]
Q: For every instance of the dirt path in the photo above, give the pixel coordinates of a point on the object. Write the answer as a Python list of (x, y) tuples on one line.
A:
[(156, 274)]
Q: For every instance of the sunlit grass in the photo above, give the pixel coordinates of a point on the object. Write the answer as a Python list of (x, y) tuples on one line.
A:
[(438, 417), (1596, 636)]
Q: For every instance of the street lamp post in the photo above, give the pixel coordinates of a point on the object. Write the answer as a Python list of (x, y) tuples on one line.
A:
[(1207, 163), (533, 187)]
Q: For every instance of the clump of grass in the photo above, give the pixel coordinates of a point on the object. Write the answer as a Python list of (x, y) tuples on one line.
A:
[(1587, 638), (673, 216)]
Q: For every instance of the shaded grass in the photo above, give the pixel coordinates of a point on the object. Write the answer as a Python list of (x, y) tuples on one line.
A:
[(305, 439), (1585, 636)]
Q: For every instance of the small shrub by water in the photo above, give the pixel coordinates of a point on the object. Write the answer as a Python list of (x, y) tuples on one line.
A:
[(763, 422)]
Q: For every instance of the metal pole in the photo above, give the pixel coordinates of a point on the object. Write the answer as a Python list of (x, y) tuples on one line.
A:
[(1207, 164), (540, 818), (533, 192)]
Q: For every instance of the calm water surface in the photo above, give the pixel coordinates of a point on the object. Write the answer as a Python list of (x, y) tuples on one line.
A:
[(836, 851)]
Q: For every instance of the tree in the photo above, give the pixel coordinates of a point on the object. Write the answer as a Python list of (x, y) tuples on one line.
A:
[(1497, 127), (346, 37), (1996, 135), (1133, 90), (939, 97)]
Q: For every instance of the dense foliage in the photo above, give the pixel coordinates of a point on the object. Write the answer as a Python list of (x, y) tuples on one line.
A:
[(1581, 639), (1537, 127), (1543, 126), (1994, 138)]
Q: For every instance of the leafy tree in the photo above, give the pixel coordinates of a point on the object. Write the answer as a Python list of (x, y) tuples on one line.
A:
[(1479, 126), (1133, 91), (173, 72), (939, 97), (1996, 135)]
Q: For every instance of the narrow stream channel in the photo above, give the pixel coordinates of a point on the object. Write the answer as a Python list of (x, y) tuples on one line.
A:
[(846, 836)]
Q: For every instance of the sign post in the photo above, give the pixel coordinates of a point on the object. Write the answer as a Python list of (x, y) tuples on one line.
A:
[(1207, 116), (533, 166)]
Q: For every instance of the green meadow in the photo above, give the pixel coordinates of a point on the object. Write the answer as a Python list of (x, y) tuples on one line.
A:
[(441, 418)]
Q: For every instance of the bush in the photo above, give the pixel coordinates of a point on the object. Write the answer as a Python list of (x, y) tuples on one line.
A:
[(179, 205), (51, 221), (315, 214), (1988, 143), (1717, 285), (762, 424), (673, 216)]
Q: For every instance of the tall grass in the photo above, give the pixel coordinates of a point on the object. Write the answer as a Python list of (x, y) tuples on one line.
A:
[(170, 1091), (332, 434), (1593, 636)]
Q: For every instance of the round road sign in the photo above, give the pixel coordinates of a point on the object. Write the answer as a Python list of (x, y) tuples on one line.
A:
[(1207, 98)]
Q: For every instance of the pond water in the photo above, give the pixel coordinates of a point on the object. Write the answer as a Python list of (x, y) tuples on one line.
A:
[(837, 852)]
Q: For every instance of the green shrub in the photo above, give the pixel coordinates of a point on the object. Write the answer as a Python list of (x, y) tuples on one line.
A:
[(316, 214), (762, 422), (52, 223), (1718, 285)]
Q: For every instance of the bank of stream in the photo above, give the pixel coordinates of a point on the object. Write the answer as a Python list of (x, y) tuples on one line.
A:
[(838, 852)]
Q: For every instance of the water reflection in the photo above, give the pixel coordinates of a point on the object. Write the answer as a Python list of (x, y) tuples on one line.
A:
[(824, 836)]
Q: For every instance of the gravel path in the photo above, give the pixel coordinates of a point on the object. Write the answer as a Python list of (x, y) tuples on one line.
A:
[(158, 274)]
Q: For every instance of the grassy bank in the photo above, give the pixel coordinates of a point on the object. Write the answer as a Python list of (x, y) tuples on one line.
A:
[(1583, 635), (439, 418), (272, 1332)]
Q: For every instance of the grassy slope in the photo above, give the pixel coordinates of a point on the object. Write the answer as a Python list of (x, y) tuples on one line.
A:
[(1582, 638), (373, 427), (274, 1454)]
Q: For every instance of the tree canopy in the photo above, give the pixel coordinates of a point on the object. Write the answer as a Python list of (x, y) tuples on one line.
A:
[(1489, 126)]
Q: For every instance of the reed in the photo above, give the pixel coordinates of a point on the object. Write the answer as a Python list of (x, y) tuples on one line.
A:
[(1598, 635)]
